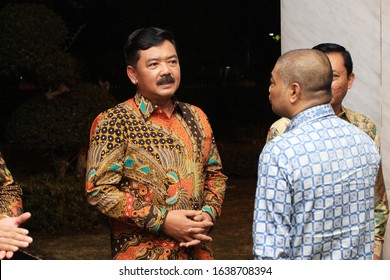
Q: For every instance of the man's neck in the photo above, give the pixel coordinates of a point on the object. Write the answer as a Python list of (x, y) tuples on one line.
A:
[(337, 109), (166, 107)]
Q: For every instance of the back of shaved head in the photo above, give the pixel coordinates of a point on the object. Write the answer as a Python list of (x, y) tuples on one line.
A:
[(309, 68)]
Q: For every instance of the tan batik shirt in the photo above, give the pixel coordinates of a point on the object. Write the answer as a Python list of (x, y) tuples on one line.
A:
[(142, 164), (10, 193)]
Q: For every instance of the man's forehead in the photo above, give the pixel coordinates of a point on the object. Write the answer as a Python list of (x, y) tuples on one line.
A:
[(275, 70), (164, 50)]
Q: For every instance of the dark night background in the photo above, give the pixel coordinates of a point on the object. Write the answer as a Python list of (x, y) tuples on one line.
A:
[(225, 50), (211, 36), (226, 54)]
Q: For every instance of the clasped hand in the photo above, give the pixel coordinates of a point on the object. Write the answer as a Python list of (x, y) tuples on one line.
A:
[(189, 227), (12, 237)]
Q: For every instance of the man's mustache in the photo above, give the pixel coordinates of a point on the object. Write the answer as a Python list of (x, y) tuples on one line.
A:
[(165, 80)]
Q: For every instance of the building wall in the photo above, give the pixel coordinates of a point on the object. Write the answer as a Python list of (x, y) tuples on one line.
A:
[(358, 25)]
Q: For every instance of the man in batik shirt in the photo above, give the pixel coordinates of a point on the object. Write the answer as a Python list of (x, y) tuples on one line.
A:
[(343, 78), (11, 215), (153, 166)]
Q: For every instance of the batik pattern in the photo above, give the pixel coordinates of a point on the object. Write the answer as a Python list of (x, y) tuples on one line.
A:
[(142, 164), (10, 193)]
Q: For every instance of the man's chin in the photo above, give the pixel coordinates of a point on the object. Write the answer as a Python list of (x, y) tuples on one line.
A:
[(166, 93)]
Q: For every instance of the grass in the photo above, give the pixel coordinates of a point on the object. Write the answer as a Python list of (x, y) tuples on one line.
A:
[(232, 235), (91, 244)]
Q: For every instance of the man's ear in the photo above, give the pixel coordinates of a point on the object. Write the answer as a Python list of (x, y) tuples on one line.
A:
[(351, 79), (294, 92), (132, 74)]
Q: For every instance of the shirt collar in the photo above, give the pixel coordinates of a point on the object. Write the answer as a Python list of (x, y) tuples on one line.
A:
[(147, 107), (309, 115), (344, 114)]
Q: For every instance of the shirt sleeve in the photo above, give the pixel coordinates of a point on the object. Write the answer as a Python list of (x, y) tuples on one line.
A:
[(272, 210), (381, 207), (215, 180), (105, 188), (10, 193), (381, 213), (215, 184)]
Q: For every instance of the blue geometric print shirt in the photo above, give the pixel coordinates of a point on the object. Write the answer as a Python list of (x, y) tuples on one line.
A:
[(315, 191)]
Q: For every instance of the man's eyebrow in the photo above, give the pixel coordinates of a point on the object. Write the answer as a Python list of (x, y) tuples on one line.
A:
[(174, 56), (159, 58)]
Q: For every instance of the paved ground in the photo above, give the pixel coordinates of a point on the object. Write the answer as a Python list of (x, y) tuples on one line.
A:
[(233, 233)]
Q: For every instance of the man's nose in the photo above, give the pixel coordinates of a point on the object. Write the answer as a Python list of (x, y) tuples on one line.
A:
[(165, 69)]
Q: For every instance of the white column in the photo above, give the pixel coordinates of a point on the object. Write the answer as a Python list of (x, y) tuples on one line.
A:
[(358, 25), (385, 109)]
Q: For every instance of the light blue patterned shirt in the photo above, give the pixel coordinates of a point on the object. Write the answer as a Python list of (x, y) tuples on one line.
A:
[(315, 191)]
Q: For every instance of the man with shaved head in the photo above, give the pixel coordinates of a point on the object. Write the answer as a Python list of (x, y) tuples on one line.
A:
[(315, 189), (343, 79)]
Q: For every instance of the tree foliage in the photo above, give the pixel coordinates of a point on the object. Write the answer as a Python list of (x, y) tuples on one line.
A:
[(58, 206), (33, 40), (60, 126)]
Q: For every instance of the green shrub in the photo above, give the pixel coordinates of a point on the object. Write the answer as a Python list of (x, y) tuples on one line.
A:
[(58, 129), (33, 40), (58, 206), (60, 125)]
